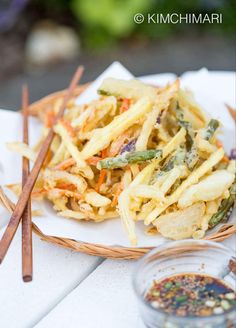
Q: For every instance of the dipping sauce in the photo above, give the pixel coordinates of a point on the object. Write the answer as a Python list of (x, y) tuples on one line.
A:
[(191, 295)]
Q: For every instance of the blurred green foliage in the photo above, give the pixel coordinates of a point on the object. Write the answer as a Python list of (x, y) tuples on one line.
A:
[(114, 17), (102, 22), (107, 20)]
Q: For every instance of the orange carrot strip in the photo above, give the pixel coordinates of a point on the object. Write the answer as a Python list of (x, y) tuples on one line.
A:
[(125, 105), (38, 192), (93, 160), (219, 144), (68, 127), (65, 164), (116, 196), (225, 159), (101, 179), (50, 118), (67, 186), (104, 153)]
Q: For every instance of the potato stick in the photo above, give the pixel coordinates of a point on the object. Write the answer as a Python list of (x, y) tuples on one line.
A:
[(52, 177), (73, 150), (148, 125), (160, 179), (174, 142), (232, 166), (100, 111), (146, 209), (163, 134), (126, 179), (85, 135), (135, 205), (55, 144), (96, 111), (95, 199), (103, 136), (192, 118), (22, 149), (145, 191), (172, 176), (72, 214), (80, 121), (144, 175), (134, 168), (186, 100), (191, 179), (127, 216), (133, 89), (58, 156), (74, 112), (204, 145)]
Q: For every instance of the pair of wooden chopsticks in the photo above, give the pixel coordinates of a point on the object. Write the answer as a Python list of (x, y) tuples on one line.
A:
[(22, 208)]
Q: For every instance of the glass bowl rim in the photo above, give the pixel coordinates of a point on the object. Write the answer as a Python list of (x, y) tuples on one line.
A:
[(141, 261)]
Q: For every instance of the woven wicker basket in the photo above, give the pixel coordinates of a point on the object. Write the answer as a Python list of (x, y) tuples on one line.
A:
[(38, 109)]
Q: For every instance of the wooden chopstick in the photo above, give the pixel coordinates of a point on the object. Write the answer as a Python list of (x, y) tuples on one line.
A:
[(27, 264), (28, 187), (232, 112)]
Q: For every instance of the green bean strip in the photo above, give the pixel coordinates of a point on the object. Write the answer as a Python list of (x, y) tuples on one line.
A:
[(210, 129), (225, 206), (192, 154), (129, 158), (177, 159)]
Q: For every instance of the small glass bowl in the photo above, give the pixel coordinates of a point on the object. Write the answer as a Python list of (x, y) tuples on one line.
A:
[(186, 256)]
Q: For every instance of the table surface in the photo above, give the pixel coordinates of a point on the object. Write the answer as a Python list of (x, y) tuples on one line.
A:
[(69, 289)]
